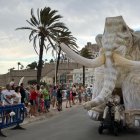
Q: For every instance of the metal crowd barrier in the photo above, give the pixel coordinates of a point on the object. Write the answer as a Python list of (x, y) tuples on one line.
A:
[(11, 115)]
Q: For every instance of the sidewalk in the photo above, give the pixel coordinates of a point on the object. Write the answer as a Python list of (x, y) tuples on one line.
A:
[(53, 112)]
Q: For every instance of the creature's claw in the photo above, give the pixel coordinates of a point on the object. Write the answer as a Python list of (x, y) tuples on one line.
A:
[(90, 104)]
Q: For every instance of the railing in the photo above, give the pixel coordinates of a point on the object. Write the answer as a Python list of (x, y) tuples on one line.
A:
[(11, 115)]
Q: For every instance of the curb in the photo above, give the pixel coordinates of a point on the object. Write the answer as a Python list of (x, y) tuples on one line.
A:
[(46, 115)]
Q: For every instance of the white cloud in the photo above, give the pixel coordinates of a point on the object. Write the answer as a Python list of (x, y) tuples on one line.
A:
[(13, 47), (6, 65)]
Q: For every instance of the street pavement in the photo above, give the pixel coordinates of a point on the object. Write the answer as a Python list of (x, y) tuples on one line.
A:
[(71, 124)]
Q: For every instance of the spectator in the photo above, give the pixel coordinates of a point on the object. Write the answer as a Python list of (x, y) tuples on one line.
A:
[(27, 97), (17, 98), (38, 97), (8, 95), (80, 94), (85, 94), (73, 93), (59, 98), (23, 93), (42, 104), (46, 98), (68, 100), (54, 97), (92, 92), (33, 97)]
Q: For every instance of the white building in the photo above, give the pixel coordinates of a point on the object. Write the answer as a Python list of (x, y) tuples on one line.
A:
[(89, 76)]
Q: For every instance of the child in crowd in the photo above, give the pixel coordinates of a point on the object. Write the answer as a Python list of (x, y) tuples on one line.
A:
[(68, 99), (59, 98), (46, 96), (33, 97), (42, 102)]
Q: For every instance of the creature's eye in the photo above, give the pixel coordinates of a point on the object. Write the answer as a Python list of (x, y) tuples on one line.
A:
[(124, 28)]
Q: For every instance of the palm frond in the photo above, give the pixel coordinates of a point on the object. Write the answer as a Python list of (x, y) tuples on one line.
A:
[(44, 15), (34, 44), (30, 23), (38, 15), (54, 19), (26, 28), (47, 47), (33, 22), (34, 18), (53, 54), (51, 42), (60, 25), (52, 13), (52, 37), (31, 35)]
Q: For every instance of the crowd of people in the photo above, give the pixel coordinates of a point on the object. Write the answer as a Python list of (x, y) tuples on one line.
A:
[(38, 99)]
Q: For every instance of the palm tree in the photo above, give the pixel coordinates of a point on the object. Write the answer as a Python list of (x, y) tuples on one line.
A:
[(87, 54), (18, 65), (33, 65), (51, 61), (43, 28), (21, 67), (64, 37)]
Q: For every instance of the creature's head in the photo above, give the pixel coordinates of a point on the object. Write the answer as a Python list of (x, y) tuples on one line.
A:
[(118, 43), (120, 39)]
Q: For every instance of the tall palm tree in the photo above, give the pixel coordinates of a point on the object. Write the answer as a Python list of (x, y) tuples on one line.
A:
[(43, 28), (64, 37), (18, 65), (87, 54)]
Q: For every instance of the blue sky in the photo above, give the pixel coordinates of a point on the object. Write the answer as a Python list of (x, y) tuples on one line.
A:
[(85, 19)]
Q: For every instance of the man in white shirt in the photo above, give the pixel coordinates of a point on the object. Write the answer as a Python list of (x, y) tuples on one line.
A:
[(8, 95)]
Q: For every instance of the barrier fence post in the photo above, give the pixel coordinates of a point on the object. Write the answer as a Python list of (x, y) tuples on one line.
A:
[(1, 134), (11, 116)]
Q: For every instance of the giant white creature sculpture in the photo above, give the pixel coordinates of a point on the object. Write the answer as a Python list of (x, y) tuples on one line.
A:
[(118, 63)]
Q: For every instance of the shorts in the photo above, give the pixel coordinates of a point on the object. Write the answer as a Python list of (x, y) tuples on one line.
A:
[(33, 102), (68, 97), (59, 100), (47, 103), (73, 94)]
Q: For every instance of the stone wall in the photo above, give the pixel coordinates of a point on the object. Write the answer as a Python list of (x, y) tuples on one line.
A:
[(49, 67), (48, 70)]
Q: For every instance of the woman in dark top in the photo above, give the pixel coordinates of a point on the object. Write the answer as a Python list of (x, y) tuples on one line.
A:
[(54, 96), (59, 98), (23, 93)]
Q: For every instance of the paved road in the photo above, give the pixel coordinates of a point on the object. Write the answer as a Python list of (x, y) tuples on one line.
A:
[(68, 125)]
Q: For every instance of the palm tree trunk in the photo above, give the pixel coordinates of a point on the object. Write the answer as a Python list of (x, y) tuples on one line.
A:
[(39, 67), (58, 60), (83, 75)]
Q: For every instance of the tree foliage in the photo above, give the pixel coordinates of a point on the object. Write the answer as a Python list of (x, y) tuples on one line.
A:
[(33, 65), (44, 27), (87, 54)]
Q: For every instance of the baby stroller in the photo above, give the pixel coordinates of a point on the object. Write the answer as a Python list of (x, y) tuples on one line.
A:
[(109, 122)]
